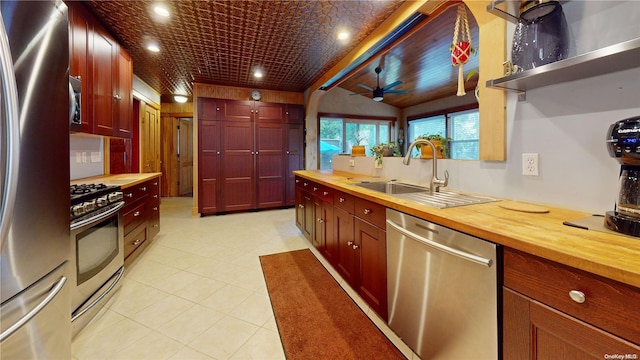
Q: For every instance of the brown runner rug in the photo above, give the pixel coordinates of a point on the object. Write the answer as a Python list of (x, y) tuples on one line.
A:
[(316, 318)]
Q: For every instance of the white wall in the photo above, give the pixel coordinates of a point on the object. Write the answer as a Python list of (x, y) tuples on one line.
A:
[(81, 149), (565, 123)]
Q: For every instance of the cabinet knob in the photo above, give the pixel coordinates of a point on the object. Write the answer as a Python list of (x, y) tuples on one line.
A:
[(320, 220), (155, 196), (355, 247), (155, 208), (155, 183), (137, 242), (315, 188), (305, 184), (256, 153), (136, 214), (155, 225), (577, 296), (301, 206), (117, 97), (129, 195), (325, 193), (349, 243), (297, 181), (367, 211), (144, 188), (342, 200)]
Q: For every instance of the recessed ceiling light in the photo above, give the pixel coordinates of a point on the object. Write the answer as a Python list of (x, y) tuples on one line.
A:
[(343, 35), (257, 73), (180, 98), (161, 10), (153, 47)]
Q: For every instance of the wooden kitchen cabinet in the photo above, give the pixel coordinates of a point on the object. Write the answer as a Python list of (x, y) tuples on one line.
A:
[(305, 218), (140, 217), (106, 71), (323, 213), (552, 311), (294, 153), (344, 237), (247, 152)]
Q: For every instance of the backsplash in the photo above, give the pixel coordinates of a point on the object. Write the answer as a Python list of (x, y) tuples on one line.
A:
[(86, 155)]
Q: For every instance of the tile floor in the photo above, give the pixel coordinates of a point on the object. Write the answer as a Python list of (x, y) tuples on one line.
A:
[(198, 291)]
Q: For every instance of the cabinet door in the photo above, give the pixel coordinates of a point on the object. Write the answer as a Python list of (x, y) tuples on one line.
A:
[(238, 164), (294, 158), (299, 209), (150, 139), (103, 53), (535, 331), (342, 248), (123, 95), (309, 218), (269, 112), (371, 279), (79, 33), (209, 153), (236, 110), (270, 167), (295, 114)]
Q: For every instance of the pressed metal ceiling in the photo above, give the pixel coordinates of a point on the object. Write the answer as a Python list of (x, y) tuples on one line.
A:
[(222, 42)]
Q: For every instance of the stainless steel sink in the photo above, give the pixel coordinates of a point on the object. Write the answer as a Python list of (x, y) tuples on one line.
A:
[(392, 187), (421, 195)]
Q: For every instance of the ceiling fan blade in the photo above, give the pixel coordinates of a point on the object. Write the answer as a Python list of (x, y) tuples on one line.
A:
[(366, 87), (393, 84), (396, 92)]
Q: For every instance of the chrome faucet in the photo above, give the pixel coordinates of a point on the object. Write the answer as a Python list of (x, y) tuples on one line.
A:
[(435, 182)]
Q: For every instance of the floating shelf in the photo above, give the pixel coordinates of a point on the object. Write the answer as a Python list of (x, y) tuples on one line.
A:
[(508, 10), (618, 57)]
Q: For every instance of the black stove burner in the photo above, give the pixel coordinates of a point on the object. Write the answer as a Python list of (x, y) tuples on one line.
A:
[(84, 192)]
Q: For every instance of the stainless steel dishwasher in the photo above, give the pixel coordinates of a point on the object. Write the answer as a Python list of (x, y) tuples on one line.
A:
[(442, 289)]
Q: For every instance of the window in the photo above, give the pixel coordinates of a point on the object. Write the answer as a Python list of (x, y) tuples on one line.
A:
[(338, 134), (463, 127)]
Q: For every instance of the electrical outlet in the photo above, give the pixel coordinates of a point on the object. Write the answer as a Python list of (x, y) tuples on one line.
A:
[(352, 162), (530, 164)]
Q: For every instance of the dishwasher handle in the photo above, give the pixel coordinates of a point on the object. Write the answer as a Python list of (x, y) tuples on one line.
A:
[(461, 254)]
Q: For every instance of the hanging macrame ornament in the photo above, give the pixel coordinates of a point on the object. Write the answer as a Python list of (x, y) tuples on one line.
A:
[(461, 47)]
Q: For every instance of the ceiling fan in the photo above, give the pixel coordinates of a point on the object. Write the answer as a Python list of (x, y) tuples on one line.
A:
[(379, 92)]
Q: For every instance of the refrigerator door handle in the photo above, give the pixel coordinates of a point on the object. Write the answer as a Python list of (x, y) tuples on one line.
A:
[(12, 135), (58, 285)]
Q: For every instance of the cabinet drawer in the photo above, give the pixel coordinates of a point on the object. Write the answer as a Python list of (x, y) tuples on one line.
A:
[(133, 193), (373, 213), (609, 305), (153, 186), (305, 184), (134, 215), (323, 193), (344, 201), (134, 240)]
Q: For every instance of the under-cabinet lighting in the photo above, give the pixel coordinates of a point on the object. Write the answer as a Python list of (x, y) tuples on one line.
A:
[(180, 98)]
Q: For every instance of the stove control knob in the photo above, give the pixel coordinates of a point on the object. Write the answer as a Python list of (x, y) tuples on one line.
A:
[(77, 210), (102, 201), (115, 196), (89, 205)]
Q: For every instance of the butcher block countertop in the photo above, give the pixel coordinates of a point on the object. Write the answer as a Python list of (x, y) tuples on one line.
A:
[(122, 180), (542, 234)]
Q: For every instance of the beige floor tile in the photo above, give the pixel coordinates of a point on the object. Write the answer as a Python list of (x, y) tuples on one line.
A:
[(107, 343), (191, 323), (105, 318), (133, 297), (256, 309), (148, 271), (225, 338), (153, 346), (175, 282), (187, 353), (161, 312), (226, 299), (263, 345), (200, 290)]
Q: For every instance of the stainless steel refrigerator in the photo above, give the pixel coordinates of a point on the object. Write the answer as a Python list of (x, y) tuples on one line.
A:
[(35, 306)]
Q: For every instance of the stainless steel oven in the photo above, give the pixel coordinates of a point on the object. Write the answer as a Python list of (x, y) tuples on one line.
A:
[(98, 250)]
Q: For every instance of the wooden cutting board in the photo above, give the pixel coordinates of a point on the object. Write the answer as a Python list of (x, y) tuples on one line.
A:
[(523, 207)]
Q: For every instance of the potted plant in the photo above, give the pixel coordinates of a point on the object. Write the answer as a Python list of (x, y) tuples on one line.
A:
[(440, 142), (357, 149), (381, 150)]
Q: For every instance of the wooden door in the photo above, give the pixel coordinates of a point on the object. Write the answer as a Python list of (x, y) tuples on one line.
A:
[(149, 139), (123, 95), (371, 279), (270, 167), (209, 136), (238, 164), (294, 156), (103, 53), (185, 156)]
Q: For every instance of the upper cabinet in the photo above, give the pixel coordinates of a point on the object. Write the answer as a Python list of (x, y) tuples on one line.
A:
[(617, 57), (106, 72)]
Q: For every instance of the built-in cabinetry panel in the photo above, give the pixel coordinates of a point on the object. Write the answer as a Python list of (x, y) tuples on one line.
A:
[(141, 217), (247, 151), (350, 233), (106, 71), (552, 311)]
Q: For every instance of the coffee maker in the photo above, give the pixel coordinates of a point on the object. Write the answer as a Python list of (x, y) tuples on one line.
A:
[(623, 144)]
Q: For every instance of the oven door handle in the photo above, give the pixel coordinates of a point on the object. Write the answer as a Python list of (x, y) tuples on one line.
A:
[(98, 218), (96, 301)]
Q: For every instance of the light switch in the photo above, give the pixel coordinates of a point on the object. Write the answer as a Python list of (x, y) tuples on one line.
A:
[(96, 156), (84, 156), (78, 157)]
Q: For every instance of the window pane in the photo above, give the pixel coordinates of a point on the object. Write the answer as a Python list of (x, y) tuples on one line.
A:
[(465, 134), (429, 126), (385, 136), (331, 140)]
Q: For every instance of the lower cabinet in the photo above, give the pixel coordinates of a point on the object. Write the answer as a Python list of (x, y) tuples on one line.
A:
[(350, 233), (141, 217), (551, 311)]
